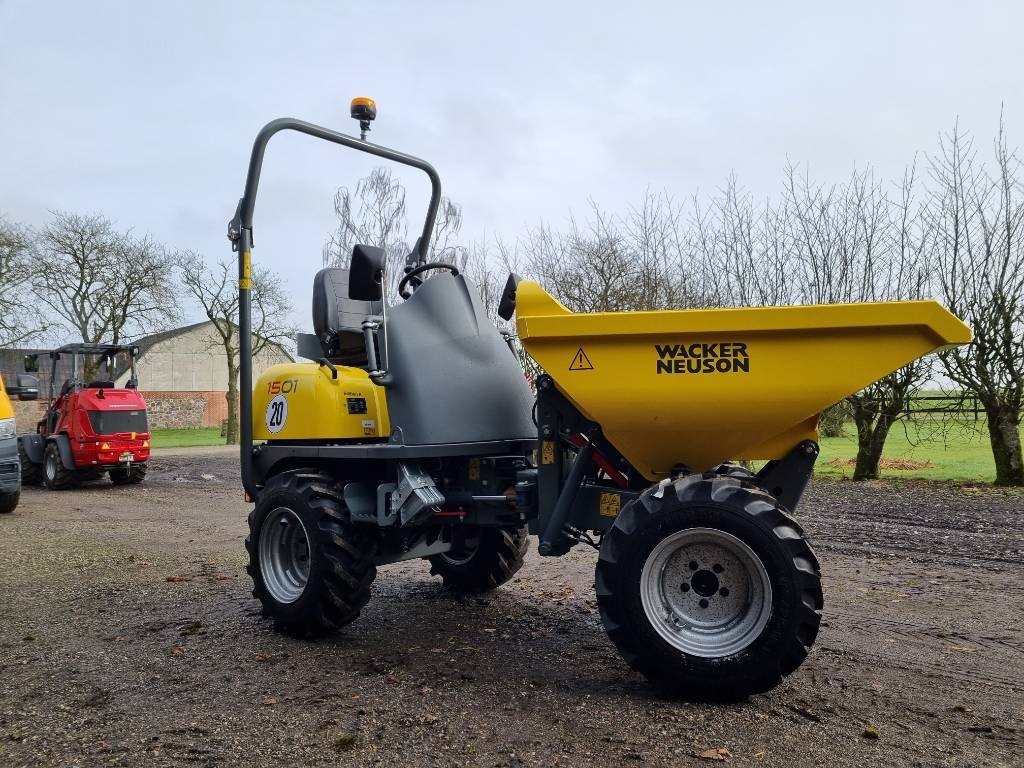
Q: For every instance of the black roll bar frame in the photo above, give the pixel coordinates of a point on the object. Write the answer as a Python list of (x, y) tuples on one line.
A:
[(241, 236)]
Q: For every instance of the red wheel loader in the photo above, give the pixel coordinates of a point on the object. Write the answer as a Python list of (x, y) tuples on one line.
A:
[(90, 428)]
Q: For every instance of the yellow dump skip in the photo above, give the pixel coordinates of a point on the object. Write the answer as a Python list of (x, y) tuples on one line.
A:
[(698, 387)]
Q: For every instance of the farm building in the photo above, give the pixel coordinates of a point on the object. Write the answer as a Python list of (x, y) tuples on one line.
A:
[(183, 374)]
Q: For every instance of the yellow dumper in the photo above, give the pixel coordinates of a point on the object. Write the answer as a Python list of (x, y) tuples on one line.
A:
[(412, 432)]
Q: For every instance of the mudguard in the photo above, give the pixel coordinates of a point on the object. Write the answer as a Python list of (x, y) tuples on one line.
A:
[(64, 446), (33, 446)]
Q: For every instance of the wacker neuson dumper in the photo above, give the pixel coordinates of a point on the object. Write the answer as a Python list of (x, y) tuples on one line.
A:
[(415, 434)]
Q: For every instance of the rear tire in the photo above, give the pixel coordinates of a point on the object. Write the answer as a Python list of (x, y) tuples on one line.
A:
[(311, 568), (56, 476), (31, 473), (672, 622), (481, 558), (9, 501), (129, 476)]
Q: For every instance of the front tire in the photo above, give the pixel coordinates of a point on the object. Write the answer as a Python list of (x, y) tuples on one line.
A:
[(31, 473), (481, 558), (311, 568), (708, 588), (56, 476), (9, 502), (132, 475)]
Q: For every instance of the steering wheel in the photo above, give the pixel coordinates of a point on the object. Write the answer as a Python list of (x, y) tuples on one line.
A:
[(413, 274)]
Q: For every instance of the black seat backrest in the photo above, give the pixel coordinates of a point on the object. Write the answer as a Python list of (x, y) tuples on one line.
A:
[(337, 319), (101, 384)]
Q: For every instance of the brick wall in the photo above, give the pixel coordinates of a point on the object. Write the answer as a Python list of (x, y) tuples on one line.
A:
[(28, 414), (167, 410)]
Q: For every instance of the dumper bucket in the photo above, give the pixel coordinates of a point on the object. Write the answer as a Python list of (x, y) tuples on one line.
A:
[(698, 387)]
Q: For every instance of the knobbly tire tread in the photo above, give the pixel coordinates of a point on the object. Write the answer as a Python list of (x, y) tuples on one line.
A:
[(731, 469), (133, 476), (498, 558), (65, 478), (738, 507), (341, 557), (31, 473), (9, 502)]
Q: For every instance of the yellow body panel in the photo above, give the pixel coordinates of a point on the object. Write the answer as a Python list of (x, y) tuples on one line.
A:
[(698, 387), (6, 409), (300, 401)]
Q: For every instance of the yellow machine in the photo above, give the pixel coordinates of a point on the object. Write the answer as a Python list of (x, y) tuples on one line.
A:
[(303, 401), (413, 433), (743, 383), (27, 388)]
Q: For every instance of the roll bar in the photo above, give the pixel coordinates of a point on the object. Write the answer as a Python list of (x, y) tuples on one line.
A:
[(241, 237)]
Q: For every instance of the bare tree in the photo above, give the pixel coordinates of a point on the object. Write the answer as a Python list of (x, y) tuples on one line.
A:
[(978, 216), (20, 319), (101, 284), (215, 289), (374, 213), (855, 242), (819, 244)]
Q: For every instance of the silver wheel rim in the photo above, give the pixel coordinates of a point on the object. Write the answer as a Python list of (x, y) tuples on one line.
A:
[(284, 555), (705, 592), (464, 552), (51, 466)]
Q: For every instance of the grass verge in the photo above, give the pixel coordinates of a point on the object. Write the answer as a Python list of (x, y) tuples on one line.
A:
[(960, 452), (185, 438)]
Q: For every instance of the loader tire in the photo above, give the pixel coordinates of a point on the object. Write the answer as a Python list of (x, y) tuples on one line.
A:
[(708, 588), (311, 569), (9, 502), (56, 476), (132, 475), (482, 558), (31, 473)]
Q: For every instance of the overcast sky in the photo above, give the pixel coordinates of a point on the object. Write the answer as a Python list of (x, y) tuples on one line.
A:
[(146, 111)]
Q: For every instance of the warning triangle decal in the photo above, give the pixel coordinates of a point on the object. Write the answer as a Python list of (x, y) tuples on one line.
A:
[(581, 362)]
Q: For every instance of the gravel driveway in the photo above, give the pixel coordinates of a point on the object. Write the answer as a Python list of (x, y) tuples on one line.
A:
[(129, 637)]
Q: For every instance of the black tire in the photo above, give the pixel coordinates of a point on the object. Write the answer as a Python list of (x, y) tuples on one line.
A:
[(31, 473), (743, 512), (56, 476), (340, 555), (129, 475), (9, 501), (482, 558)]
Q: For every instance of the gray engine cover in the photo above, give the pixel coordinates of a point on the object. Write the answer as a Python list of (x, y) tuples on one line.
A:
[(454, 379)]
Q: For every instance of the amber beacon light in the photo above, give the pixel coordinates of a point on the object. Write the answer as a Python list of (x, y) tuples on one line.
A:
[(363, 109)]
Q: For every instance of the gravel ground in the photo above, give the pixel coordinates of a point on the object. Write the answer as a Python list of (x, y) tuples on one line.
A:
[(129, 637)]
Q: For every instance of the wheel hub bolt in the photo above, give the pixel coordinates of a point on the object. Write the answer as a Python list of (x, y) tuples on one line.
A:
[(717, 568), (703, 603)]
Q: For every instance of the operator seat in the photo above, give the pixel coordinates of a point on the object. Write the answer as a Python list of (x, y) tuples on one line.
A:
[(337, 319), (101, 384)]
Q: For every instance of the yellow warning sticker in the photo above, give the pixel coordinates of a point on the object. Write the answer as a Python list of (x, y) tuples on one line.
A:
[(245, 280), (547, 452), (609, 505), (581, 362), (474, 469)]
